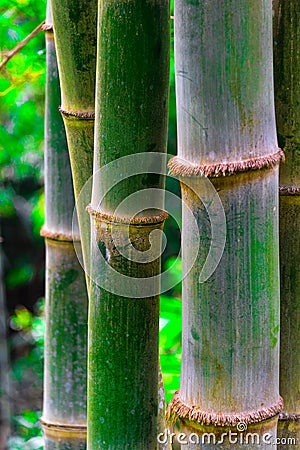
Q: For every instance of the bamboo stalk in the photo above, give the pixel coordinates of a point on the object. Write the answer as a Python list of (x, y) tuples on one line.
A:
[(226, 132), (75, 38), (287, 101), (65, 384), (131, 117)]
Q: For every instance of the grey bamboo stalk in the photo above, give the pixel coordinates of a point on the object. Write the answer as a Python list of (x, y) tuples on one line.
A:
[(226, 132), (131, 117), (75, 25), (65, 383), (287, 102), (4, 367)]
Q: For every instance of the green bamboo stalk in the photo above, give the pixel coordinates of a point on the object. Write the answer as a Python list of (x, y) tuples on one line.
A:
[(226, 132), (287, 101), (4, 367), (65, 383), (75, 34), (75, 38), (131, 117)]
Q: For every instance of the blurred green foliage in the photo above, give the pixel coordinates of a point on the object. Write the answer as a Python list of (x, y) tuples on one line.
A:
[(22, 83), (29, 432), (31, 329)]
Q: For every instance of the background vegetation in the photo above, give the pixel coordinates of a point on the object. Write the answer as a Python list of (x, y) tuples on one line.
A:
[(22, 83)]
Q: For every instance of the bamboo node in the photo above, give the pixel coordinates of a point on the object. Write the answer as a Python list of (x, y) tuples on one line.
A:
[(134, 221), (56, 236), (289, 416), (47, 27), (178, 409), (81, 115), (289, 190), (179, 166)]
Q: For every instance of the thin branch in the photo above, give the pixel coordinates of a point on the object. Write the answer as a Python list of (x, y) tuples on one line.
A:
[(21, 44)]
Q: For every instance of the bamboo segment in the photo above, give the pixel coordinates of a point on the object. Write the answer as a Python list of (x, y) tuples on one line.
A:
[(65, 381), (75, 35), (226, 131), (131, 117), (66, 334), (287, 100)]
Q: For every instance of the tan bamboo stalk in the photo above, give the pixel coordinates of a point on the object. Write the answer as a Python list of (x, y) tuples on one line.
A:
[(226, 132), (65, 384), (75, 25), (131, 117), (287, 102)]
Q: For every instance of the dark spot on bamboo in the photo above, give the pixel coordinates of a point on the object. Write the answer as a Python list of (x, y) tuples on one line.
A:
[(177, 409), (195, 334), (178, 166), (102, 248), (150, 147), (150, 179), (158, 48)]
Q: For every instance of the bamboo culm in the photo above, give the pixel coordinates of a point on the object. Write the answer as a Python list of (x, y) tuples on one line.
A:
[(65, 384), (75, 31), (131, 117), (287, 102), (226, 132)]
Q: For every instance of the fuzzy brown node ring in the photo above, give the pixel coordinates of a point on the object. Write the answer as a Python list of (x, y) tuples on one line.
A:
[(289, 190), (179, 166), (72, 115), (134, 221), (178, 409), (56, 236)]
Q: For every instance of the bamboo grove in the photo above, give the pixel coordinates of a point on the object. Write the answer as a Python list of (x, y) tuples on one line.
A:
[(101, 345)]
